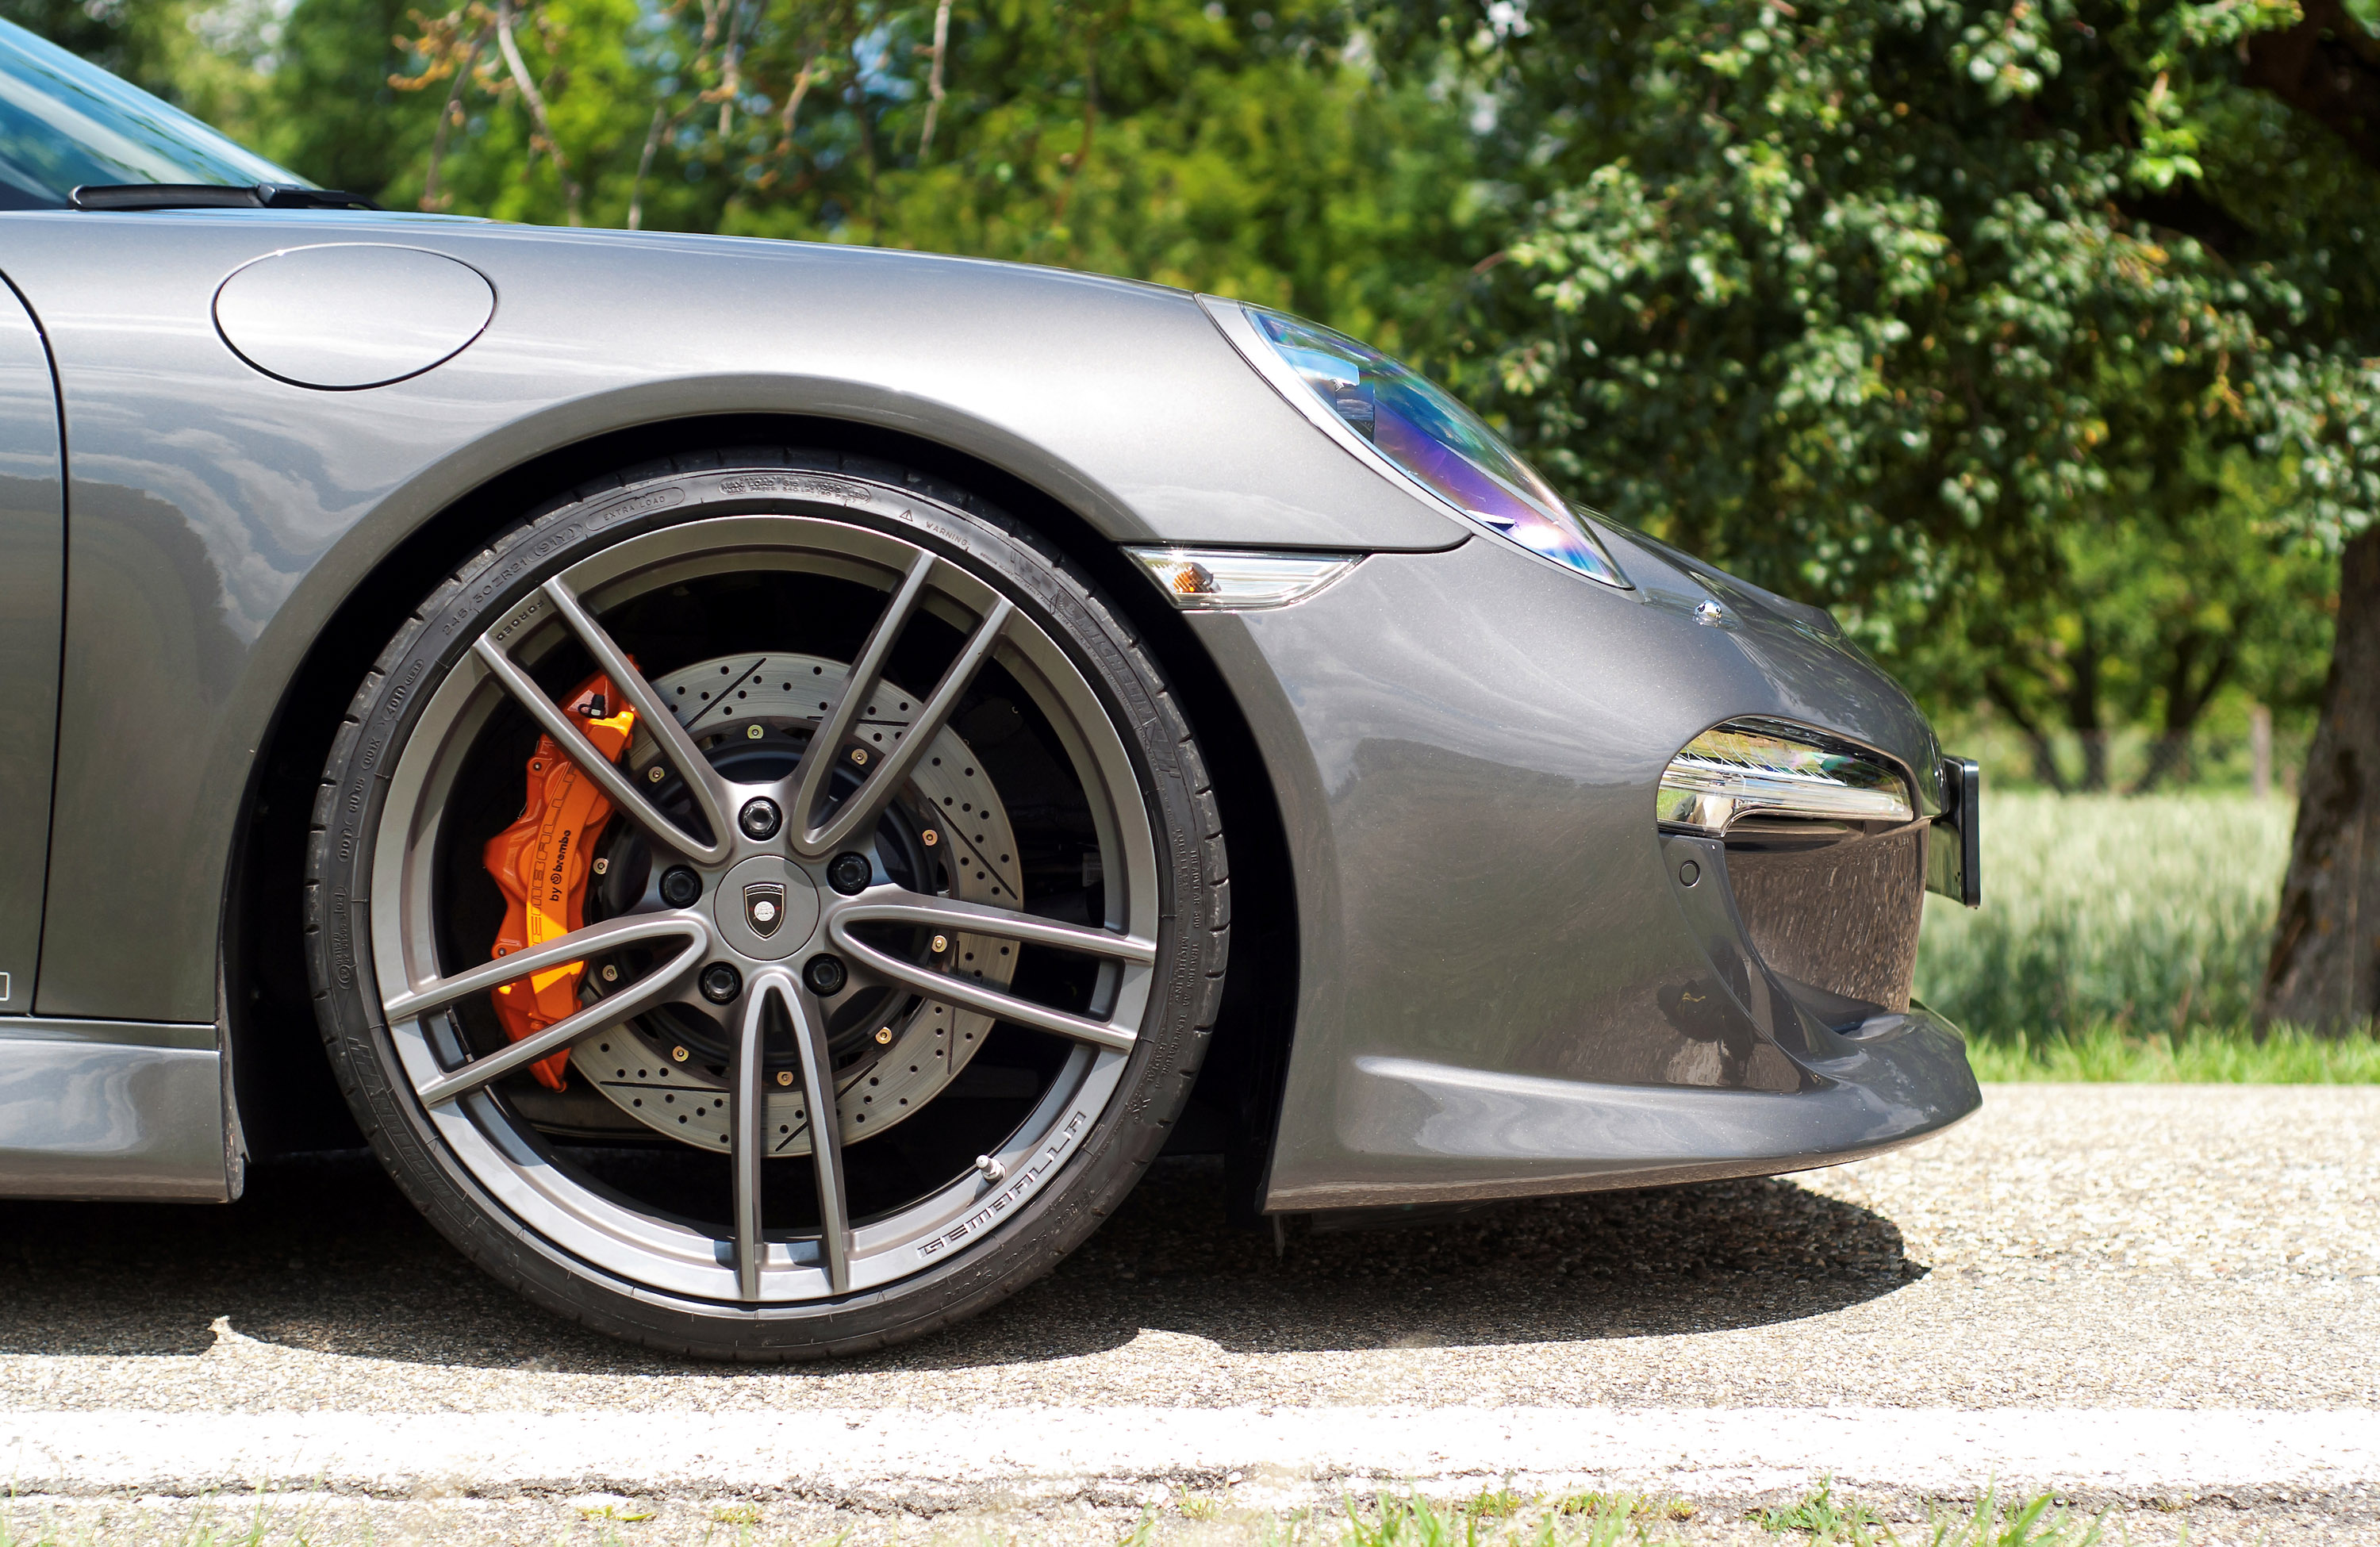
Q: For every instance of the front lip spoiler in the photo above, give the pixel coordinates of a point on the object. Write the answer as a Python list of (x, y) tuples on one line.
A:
[(1450, 1134)]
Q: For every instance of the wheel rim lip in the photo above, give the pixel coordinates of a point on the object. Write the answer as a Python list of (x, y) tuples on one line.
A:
[(652, 1250)]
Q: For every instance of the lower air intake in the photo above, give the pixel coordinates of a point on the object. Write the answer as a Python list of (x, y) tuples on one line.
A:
[(1841, 918)]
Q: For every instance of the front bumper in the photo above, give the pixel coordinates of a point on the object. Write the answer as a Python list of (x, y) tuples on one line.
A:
[(1501, 989), (1480, 1133)]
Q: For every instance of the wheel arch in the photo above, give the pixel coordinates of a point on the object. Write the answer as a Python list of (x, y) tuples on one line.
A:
[(287, 1101)]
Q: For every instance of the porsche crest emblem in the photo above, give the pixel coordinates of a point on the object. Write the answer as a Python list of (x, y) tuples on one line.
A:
[(764, 906)]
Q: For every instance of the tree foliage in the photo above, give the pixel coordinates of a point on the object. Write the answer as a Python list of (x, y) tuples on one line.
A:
[(1903, 304)]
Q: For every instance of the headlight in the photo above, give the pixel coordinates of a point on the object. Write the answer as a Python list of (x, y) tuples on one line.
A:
[(1754, 766), (1413, 430)]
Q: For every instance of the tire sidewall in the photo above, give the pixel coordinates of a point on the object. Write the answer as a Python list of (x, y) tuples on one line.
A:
[(1062, 1210)]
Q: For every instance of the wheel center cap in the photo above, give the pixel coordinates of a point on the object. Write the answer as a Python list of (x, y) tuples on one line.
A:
[(767, 907)]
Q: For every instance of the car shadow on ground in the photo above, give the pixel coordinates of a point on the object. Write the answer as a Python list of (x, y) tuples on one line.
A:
[(325, 1254)]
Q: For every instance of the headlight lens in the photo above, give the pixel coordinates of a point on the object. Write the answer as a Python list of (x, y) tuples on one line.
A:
[(1424, 434), (1755, 766)]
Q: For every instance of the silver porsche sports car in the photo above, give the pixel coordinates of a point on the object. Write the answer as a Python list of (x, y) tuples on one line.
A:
[(769, 782)]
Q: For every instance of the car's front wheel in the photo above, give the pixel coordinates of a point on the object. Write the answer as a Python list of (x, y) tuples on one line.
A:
[(766, 906)]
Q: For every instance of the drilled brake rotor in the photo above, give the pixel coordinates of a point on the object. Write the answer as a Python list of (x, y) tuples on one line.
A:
[(893, 1051)]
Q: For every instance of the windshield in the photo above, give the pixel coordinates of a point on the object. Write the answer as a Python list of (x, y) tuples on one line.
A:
[(65, 123)]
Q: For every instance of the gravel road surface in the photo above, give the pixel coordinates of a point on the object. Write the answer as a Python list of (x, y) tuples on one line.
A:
[(2187, 1249)]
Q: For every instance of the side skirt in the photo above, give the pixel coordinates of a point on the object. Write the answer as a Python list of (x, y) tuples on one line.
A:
[(113, 1109)]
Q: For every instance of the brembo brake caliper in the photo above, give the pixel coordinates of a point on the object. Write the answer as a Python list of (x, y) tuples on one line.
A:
[(540, 862)]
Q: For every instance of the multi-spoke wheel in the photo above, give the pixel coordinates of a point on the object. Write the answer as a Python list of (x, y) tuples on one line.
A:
[(767, 907)]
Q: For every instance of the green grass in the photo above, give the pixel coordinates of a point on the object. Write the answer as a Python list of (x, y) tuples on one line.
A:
[(2147, 914), (2205, 1055), (2035, 1522), (1822, 1518), (2122, 939)]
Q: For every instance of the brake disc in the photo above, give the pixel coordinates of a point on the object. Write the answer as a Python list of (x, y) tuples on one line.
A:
[(667, 1070)]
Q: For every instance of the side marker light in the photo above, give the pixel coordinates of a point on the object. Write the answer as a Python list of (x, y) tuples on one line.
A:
[(1217, 580)]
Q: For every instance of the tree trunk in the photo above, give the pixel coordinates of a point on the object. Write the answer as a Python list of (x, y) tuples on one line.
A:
[(2325, 967), (2083, 711)]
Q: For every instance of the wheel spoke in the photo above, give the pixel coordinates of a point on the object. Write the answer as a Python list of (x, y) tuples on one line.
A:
[(818, 764), (969, 993), (826, 1135), (609, 935), (892, 905), (625, 796), (749, 1113), (860, 810), (607, 1011), (710, 791)]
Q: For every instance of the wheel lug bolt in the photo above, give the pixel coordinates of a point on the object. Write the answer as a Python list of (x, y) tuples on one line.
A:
[(680, 886), (825, 975), (941, 944), (602, 866), (720, 982), (610, 974), (849, 873), (884, 1035), (785, 1077), (860, 756), (657, 774), (680, 1055), (929, 837), (760, 819)]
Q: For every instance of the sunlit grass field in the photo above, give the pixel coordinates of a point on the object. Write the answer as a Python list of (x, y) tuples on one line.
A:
[(2122, 939)]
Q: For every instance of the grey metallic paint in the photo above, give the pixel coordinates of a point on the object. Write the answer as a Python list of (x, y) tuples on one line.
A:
[(32, 559), (319, 316), (99, 1109), (1502, 989), (204, 557), (1481, 887)]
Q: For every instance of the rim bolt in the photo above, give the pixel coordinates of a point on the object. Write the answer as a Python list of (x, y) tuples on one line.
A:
[(825, 975), (941, 944), (785, 1077), (680, 886), (610, 973), (721, 983), (849, 873), (860, 756), (760, 818), (656, 775), (884, 1035), (929, 837), (680, 1055)]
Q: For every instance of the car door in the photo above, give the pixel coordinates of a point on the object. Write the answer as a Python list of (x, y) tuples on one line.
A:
[(32, 592)]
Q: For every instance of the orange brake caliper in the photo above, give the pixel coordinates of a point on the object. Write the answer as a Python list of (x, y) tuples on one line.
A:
[(542, 862)]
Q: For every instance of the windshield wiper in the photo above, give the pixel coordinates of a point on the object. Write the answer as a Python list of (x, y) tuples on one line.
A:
[(214, 196)]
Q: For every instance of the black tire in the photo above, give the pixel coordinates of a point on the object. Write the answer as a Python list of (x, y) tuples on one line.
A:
[(1191, 932)]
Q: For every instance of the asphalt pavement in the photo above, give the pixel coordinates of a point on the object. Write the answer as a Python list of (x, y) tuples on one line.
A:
[(2194, 1257)]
